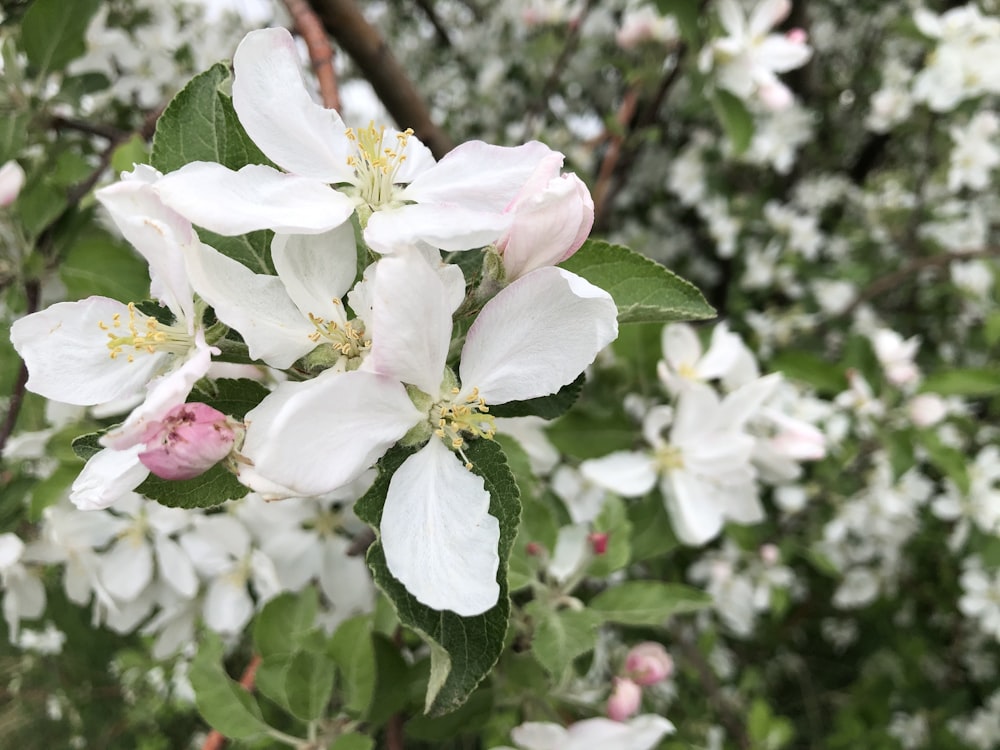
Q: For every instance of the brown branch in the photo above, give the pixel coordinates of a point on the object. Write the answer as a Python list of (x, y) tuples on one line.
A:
[(216, 740), (359, 39), (310, 28), (890, 281), (439, 29), (602, 187), (108, 132)]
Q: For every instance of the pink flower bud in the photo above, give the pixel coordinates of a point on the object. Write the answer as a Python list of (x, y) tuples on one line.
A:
[(769, 554), (11, 182), (188, 441), (533, 548), (648, 663), (797, 36), (599, 542), (625, 699), (550, 218)]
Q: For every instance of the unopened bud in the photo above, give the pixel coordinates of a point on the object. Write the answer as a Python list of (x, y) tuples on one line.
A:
[(598, 542), (625, 699), (188, 441), (797, 36), (11, 182), (533, 548), (769, 554), (648, 663)]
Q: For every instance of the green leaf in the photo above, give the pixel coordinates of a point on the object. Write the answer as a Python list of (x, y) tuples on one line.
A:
[(284, 621), (546, 407), (223, 703), (52, 34), (51, 490), (970, 383), (686, 12), (467, 720), (97, 264), (583, 435), (810, 368), (87, 446), (13, 129), (951, 462), (200, 124), (232, 396), (214, 487), (463, 649), (352, 650), (652, 532), (128, 154), (735, 118), (561, 635), (392, 678), (647, 602), (271, 676), (309, 684), (643, 290), (353, 741)]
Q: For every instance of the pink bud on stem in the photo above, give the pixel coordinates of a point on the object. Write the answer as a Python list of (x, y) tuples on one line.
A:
[(648, 663), (188, 441)]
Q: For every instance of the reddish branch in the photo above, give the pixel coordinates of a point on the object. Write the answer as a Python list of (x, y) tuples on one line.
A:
[(602, 189), (311, 30), (359, 39), (215, 740)]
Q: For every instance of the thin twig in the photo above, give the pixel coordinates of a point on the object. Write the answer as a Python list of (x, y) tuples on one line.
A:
[(611, 156), (311, 30), (216, 740), (109, 132), (359, 39), (439, 28)]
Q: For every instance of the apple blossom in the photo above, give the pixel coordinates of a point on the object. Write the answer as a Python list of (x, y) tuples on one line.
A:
[(648, 663), (643, 732), (532, 338), (625, 699)]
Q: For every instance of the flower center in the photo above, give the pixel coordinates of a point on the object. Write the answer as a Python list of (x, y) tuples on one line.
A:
[(142, 333), (451, 418), (669, 458), (325, 524), (376, 163)]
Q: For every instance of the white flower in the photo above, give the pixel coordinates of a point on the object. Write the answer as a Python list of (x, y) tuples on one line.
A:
[(400, 193), (24, 594), (644, 732), (747, 59), (975, 155), (896, 356), (704, 469), (535, 336), (644, 24), (684, 361), (11, 182)]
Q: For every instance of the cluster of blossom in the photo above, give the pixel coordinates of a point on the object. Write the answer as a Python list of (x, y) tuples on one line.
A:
[(378, 351)]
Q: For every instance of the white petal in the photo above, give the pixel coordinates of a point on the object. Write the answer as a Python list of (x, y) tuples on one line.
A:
[(159, 234), (256, 305), (228, 606), (691, 504), (624, 473), (538, 735), (570, 551), (317, 268), (127, 568), (439, 539), (316, 436), (411, 319), (175, 566), (732, 18), (271, 100), (745, 402), (641, 733), (780, 54), (767, 15), (448, 226), (723, 352), (681, 347), (255, 197), (537, 335), (11, 549), (68, 358), (108, 476)]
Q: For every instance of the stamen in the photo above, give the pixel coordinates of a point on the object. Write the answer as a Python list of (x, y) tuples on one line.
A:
[(376, 163), (454, 420), (145, 335)]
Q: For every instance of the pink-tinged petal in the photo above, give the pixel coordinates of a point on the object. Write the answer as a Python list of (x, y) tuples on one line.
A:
[(693, 506), (411, 320), (316, 436), (127, 568), (271, 100), (11, 182), (548, 226), (317, 269), (439, 538), (66, 351), (189, 440), (162, 395), (478, 175), (449, 226), (157, 232), (108, 476), (255, 197), (537, 335), (256, 305), (624, 473)]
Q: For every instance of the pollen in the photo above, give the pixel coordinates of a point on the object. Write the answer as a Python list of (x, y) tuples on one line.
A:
[(142, 335), (669, 458), (348, 338), (377, 162), (454, 419)]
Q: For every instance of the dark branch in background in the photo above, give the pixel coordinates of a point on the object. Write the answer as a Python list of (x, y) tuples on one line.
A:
[(613, 153), (46, 241), (439, 28), (108, 132), (541, 103), (729, 714), (310, 28), (344, 22)]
